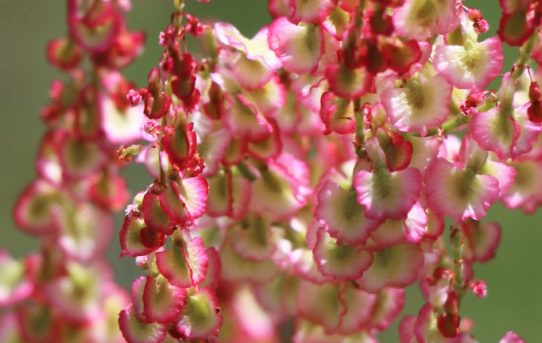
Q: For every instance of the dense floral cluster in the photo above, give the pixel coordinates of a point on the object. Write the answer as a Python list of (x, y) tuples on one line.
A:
[(302, 177), (307, 225), (66, 292)]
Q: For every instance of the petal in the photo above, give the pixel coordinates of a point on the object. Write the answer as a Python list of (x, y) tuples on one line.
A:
[(122, 126), (348, 83), (109, 192), (269, 147), (509, 6), (37, 209), (94, 27), (47, 161), (389, 304), (251, 73), (270, 97), (162, 302), (288, 116), (200, 317), (420, 105), (474, 66), (137, 290), (14, 285), (527, 185), (387, 195), (396, 266), (308, 332), (512, 337), (416, 224), (131, 237), (495, 131), (359, 309), (255, 323), (516, 27), (135, 331), (504, 174), (193, 194), (458, 193), (390, 232), (252, 239), (319, 304), (482, 240), (184, 265), (80, 158), (311, 11), (278, 8), (279, 194), (220, 197), (173, 207), (337, 22), (235, 268), (85, 232), (340, 262), (421, 19), (402, 55), (277, 297), (529, 132), (344, 218), (214, 267), (63, 53), (212, 148), (180, 145), (245, 120), (299, 47), (241, 190), (155, 216), (406, 329), (337, 114), (76, 295)]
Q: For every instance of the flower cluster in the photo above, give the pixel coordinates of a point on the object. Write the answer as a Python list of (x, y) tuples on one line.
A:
[(332, 145), (302, 176), (66, 292), (177, 298)]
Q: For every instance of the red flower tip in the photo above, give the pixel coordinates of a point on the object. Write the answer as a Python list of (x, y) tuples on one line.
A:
[(478, 288), (133, 97), (448, 324)]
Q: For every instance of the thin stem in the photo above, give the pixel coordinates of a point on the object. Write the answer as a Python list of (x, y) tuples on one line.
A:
[(456, 241), (360, 128)]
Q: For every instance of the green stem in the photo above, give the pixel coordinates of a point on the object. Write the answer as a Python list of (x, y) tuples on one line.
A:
[(179, 5), (459, 119), (360, 129), (525, 54), (162, 176), (507, 100), (456, 241), (246, 172)]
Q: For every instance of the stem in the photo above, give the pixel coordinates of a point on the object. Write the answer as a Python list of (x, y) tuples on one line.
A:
[(518, 69), (457, 254), (246, 172), (450, 125), (162, 176), (179, 5), (360, 129), (525, 54)]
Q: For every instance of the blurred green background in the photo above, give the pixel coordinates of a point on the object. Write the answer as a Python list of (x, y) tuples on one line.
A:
[(514, 277)]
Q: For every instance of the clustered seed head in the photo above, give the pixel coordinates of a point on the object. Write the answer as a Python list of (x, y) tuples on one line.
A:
[(66, 292), (300, 176)]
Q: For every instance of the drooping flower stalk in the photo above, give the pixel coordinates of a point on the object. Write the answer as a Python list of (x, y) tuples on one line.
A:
[(66, 292), (176, 299)]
